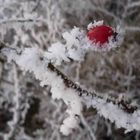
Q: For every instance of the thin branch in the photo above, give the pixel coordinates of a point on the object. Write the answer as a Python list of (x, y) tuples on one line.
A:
[(82, 92), (132, 28), (104, 11), (88, 128), (134, 4), (22, 20), (36, 6)]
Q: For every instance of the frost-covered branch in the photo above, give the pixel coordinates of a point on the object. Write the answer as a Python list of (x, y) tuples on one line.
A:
[(30, 27), (34, 60), (83, 92), (133, 4), (80, 91), (22, 20), (132, 29), (15, 109)]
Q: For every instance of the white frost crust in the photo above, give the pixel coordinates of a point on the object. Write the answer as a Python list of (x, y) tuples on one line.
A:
[(69, 124), (94, 24), (111, 45), (30, 61), (77, 45), (72, 48), (57, 53), (116, 115)]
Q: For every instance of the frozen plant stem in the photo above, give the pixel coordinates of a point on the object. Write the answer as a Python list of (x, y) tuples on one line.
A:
[(92, 135), (21, 20), (16, 106), (82, 92)]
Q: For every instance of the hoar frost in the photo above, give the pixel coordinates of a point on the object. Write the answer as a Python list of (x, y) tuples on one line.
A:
[(75, 47), (30, 61)]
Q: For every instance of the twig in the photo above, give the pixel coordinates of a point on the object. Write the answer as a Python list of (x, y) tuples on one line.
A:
[(88, 128), (15, 109), (132, 29), (133, 4), (22, 20), (36, 6)]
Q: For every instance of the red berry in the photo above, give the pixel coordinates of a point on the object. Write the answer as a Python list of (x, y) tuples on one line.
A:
[(100, 34)]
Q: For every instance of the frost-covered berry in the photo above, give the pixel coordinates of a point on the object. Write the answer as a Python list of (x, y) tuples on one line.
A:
[(100, 34)]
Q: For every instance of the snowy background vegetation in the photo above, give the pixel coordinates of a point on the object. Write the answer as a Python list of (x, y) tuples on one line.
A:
[(27, 110)]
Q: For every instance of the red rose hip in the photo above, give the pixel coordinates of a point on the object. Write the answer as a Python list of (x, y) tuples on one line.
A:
[(100, 34)]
